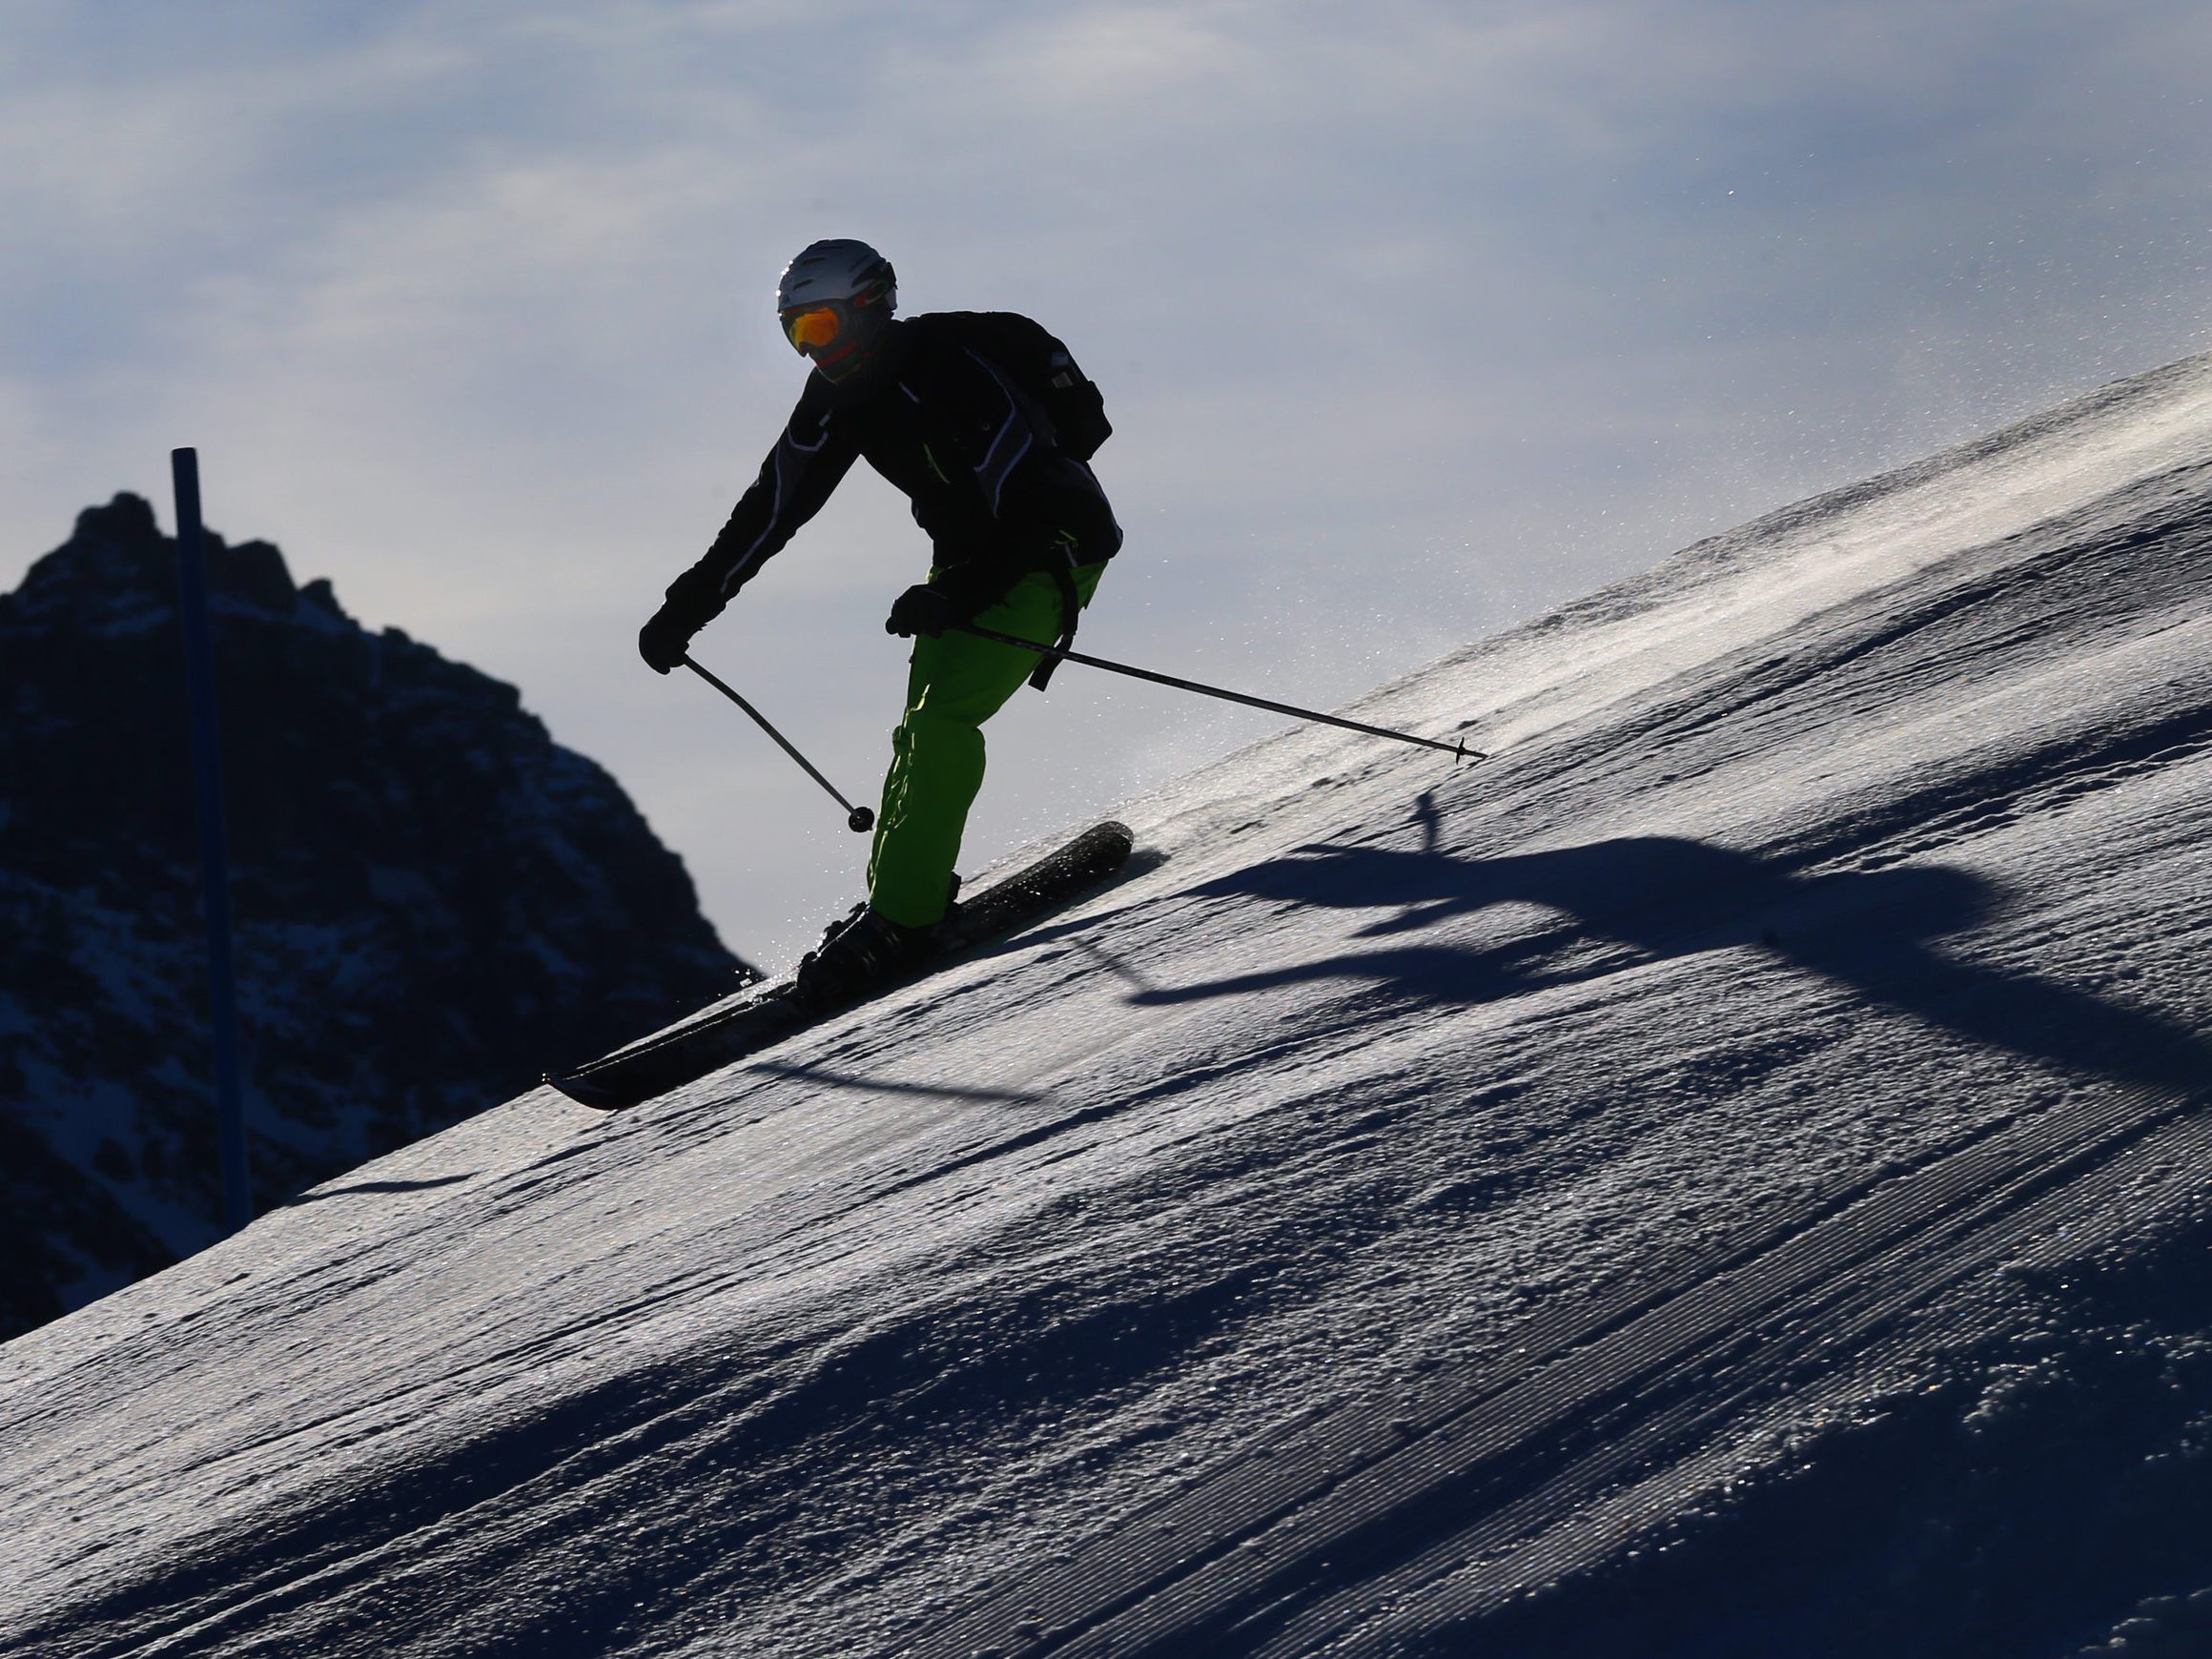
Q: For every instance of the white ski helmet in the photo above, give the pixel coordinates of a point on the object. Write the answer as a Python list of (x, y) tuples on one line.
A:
[(833, 299)]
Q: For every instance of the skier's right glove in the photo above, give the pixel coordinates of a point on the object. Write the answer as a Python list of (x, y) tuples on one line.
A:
[(692, 603), (925, 610), (953, 596)]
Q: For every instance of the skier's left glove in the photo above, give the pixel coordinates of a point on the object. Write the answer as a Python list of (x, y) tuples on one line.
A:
[(692, 603), (923, 609), (665, 640)]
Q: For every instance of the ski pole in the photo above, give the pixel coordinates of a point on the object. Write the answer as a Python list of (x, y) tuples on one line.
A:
[(859, 819), (1459, 749)]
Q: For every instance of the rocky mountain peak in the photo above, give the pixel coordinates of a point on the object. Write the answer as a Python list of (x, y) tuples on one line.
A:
[(434, 900)]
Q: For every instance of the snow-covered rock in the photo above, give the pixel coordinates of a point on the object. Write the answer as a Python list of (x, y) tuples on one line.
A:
[(1724, 1177)]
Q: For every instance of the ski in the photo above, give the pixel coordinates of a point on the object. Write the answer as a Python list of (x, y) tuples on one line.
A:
[(730, 1030)]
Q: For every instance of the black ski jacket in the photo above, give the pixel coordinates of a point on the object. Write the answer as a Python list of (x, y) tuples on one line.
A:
[(940, 420)]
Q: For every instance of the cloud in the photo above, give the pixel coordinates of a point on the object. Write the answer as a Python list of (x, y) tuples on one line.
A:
[(1413, 316)]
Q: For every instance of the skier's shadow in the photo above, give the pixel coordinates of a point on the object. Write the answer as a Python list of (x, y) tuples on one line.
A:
[(1652, 898)]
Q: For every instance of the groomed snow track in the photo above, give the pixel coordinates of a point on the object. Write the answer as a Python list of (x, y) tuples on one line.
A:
[(1507, 1468)]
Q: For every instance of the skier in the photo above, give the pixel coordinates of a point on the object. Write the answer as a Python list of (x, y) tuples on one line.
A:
[(986, 425)]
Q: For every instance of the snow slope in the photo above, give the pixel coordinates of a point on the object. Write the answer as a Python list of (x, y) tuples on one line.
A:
[(1723, 1177)]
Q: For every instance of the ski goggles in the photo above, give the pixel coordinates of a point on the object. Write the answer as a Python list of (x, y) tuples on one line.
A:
[(811, 327)]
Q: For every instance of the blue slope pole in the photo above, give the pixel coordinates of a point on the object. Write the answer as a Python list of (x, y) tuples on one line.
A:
[(207, 770)]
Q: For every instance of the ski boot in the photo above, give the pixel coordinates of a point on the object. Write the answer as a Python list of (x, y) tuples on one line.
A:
[(860, 953)]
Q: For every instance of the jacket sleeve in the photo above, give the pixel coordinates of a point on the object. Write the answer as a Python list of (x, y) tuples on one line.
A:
[(810, 458)]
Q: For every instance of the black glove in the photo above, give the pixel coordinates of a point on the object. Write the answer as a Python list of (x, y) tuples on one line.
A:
[(923, 609), (666, 640), (692, 605)]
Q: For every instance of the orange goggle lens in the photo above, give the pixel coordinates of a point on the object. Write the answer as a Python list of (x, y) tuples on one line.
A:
[(811, 329)]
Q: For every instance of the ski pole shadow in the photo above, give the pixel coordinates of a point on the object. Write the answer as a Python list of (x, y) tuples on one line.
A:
[(1635, 900)]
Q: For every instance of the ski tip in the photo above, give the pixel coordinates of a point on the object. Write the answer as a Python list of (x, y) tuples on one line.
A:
[(1097, 854)]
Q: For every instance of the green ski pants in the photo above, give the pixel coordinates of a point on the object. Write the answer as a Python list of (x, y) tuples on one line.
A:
[(955, 683)]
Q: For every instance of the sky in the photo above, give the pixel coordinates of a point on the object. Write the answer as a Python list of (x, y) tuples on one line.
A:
[(1414, 319)]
